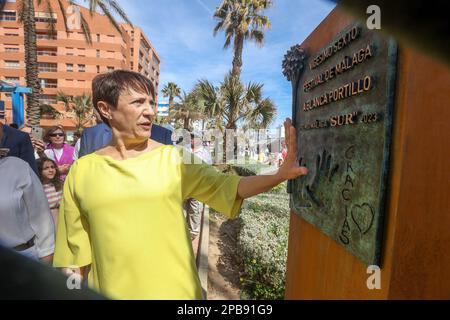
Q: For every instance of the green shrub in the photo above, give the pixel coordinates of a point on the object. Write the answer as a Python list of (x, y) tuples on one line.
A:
[(262, 244)]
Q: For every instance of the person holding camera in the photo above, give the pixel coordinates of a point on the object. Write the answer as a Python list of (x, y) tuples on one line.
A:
[(35, 134)]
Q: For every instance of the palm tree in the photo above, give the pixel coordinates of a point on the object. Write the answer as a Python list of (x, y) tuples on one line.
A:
[(171, 90), (47, 111), (81, 106), (189, 109), (26, 14), (233, 102), (241, 20)]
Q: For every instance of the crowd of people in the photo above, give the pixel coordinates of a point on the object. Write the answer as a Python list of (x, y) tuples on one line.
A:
[(113, 208)]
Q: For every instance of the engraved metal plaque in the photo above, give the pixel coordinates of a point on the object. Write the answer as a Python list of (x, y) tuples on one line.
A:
[(343, 99)]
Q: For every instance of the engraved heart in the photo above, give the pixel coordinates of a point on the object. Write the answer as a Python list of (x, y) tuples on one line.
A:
[(362, 216)]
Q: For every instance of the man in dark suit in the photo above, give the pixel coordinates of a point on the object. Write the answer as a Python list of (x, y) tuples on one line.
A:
[(19, 145), (98, 136)]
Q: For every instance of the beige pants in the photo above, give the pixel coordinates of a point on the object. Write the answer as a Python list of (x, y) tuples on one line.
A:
[(193, 211)]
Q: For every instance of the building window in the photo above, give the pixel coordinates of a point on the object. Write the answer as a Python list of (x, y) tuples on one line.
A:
[(132, 51), (81, 68), (131, 65), (69, 51), (98, 69), (69, 67), (45, 35), (47, 99), (12, 32), (110, 69), (45, 17), (82, 52), (46, 51), (98, 37), (8, 15), (12, 64), (47, 67), (98, 53), (49, 83), (11, 49), (15, 80)]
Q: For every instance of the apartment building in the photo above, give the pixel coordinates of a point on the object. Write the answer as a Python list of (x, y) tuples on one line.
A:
[(143, 56), (66, 61)]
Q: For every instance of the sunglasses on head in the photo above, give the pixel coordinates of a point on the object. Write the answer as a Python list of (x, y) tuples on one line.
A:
[(56, 134)]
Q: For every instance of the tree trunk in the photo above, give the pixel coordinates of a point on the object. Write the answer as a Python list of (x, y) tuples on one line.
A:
[(237, 58), (31, 64), (231, 125), (186, 123), (170, 103)]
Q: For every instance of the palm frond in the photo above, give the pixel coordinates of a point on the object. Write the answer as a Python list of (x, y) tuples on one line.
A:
[(51, 25), (63, 13), (86, 29), (20, 11), (258, 37), (116, 7), (92, 7), (111, 18)]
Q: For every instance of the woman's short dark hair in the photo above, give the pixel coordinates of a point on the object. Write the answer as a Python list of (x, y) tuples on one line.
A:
[(108, 86)]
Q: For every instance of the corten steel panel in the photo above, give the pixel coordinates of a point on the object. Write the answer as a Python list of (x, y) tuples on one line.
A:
[(415, 255)]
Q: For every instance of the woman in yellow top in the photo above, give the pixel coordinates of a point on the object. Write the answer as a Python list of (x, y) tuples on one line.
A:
[(121, 214)]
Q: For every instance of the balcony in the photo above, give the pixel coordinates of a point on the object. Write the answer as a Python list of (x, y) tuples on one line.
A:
[(47, 99), (12, 64), (12, 49), (44, 35), (45, 17), (47, 67), (47, 51), (49, 83), (8, 15)]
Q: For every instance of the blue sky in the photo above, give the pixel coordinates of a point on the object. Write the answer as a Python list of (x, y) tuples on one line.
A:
[(182, 33)]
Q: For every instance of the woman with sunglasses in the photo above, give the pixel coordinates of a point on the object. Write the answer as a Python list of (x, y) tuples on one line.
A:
[(58, 150)]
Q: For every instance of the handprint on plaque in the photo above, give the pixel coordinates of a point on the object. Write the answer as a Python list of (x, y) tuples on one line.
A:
[(317, 193)]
